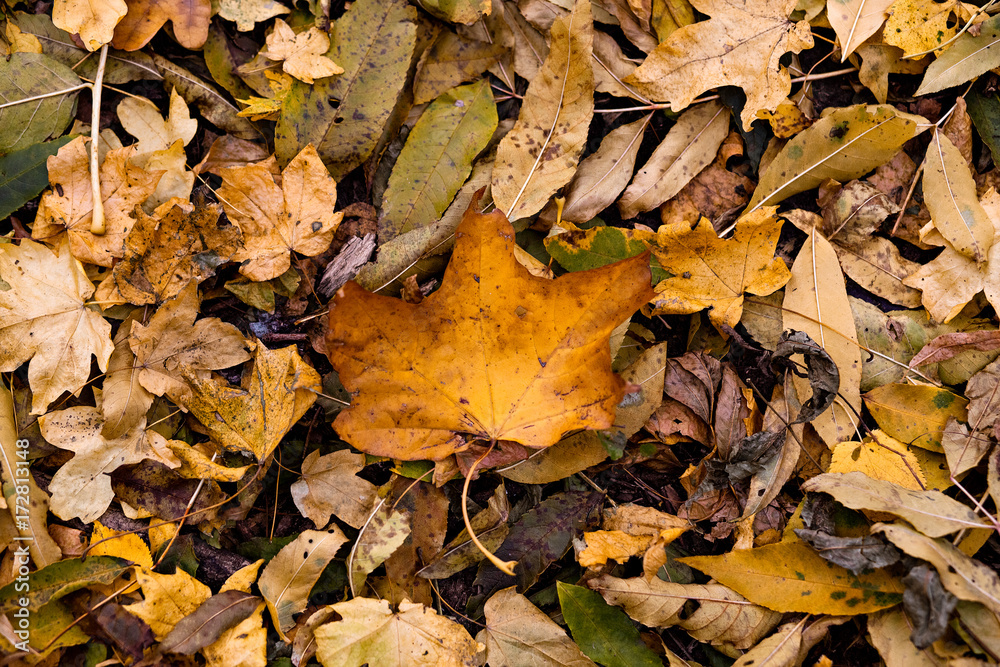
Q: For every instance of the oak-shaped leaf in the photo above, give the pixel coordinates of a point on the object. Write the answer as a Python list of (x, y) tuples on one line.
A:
[(172, 340), (330, 485), (296, 216), (67, 209), (302, 54), (184, 244), (495, 353), (276, 391), (739, 46), (44, 318)]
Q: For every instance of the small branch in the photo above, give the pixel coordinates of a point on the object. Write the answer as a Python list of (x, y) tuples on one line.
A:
[(507, 567), (97, 226), (55, 93)]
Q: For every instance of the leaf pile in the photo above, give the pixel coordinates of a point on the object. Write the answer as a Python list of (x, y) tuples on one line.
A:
[(496, 332)]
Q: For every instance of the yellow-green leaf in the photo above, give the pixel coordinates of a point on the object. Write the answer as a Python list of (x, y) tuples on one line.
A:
[(915, 414)]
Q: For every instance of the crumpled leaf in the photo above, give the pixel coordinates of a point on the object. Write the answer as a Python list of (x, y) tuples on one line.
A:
[(415, 636), (714, 273), (330, 485), (44, 303), (68, 208), (721, 615), (739, 46), (930, 512), (398, 411), (181, 246), (252, 419), (846, 143), (927, 604), (301, 54), (296, 216), (540, 154), (289, 576), (373, 43), (173, 341), (188, 18), (93, 20), (82, 486), (518, 633)]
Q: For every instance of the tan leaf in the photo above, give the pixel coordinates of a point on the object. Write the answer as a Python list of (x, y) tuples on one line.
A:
[(890, 633), (854, 21), (142, 120), (289, 576), (968, 57), (452, 60), (44, 319), (370, 633), (81, 488), (298, 216), (302, 55), (816, 303), (950, 195), (689, 147), (94, 20), (253, 419), (330, 485), (709, 272), (739, 46), (189, 19), (67, 209), (518, 633), (247, 13), (722, 615), (172, 341), (125, 401), (877, 265), (540, 154), (183, 245)]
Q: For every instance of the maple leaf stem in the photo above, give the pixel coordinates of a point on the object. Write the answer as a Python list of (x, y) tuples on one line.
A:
[(507, 567), (97, 227)]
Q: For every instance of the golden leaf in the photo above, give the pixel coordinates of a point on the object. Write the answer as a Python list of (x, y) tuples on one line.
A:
[(301, 54)]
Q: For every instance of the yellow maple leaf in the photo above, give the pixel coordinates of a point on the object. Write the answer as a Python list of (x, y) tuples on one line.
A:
[(94, 20), (495, 353), (298, 216), (302, 54), (67, 209), (44, 318), (167, 598), (739, 46), (709, 272)]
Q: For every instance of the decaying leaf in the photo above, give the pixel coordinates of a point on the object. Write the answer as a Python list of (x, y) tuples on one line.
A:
[(540, 154), (45, 301), (296, 216), (739, 46), (503, 397), (276, 391)]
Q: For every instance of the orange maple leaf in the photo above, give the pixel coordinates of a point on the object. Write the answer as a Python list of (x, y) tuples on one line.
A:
[(495, 353)]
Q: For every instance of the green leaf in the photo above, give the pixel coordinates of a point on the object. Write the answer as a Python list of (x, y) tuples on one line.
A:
[(604, 633), (23, 174), (28, 75), (984, 110), (343, 116), (54, 581), (580, 250), (844, 144), (437, 158)]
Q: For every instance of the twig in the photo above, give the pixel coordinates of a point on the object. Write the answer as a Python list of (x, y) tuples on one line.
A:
[(97, 227)]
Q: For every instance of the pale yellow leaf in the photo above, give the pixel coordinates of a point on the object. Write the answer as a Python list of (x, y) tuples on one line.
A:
[(302, 55), (93, 20), (518, 633), (854, 21)]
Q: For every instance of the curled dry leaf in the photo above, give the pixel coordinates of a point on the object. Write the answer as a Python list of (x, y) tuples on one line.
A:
[(298, 216), (540, 154), (739, 46), (412, 399), (44, 303)]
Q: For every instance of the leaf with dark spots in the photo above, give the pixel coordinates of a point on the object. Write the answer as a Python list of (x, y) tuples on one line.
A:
[(539, 538), (203, 627)]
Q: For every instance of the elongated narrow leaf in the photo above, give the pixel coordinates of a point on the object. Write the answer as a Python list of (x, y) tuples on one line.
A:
[(23, 174), (854, 21), (286, 581), (602, 631), (950, 195), (437, 158), (688, 148), (540, 154), (816, 303), (343, 116), (203, 627), (59, 579), (27, 75), (964, 60), (604, 174), (846, 143)]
